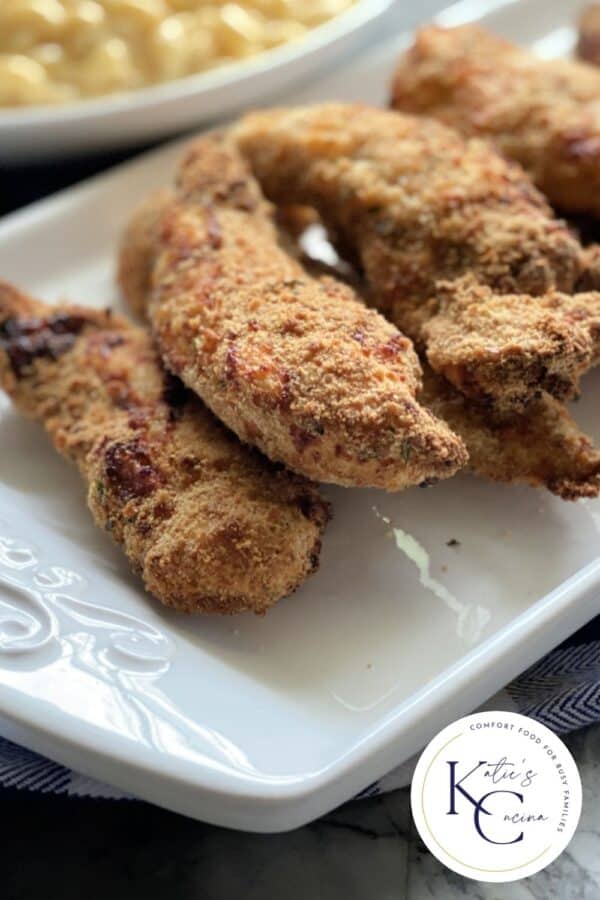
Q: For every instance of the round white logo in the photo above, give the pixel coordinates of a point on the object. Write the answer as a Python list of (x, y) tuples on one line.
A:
[(496, 796)]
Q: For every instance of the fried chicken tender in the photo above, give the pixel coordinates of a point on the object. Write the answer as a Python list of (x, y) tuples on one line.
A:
[(295, 365), (543, 447), (543, 114), (420, 205), (210, 526), (138, 247), (588, 45), (543, 329)]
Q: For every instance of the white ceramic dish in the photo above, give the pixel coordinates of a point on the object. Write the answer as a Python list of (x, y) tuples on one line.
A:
[(35, 133), (263, 724)]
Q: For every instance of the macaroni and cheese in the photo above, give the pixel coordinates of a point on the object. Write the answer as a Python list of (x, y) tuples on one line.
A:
[(54, 51)]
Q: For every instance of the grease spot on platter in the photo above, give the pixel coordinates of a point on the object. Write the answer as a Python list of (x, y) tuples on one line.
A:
[(471, 619)]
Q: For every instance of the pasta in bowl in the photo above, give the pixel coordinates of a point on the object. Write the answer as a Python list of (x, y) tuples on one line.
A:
[(57, 51), (118, 98)]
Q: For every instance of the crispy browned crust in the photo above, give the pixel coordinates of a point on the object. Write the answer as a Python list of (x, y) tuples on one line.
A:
[(588, 44), (295, 365), (542, 447), (421, 205), (555, 454), (544, 114), (479, 339), (138, 247), (210, 526)]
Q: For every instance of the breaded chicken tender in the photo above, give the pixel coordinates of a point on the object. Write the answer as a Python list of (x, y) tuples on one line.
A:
[(543, 447), (419, 205), (210, 526), (588, 45), (543, 328), (295, 365), (543, 114)]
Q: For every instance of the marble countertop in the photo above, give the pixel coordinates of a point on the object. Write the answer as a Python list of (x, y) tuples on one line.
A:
[(366, 850)]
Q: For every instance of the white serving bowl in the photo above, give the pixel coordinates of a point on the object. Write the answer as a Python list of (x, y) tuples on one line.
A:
[(116, 120)]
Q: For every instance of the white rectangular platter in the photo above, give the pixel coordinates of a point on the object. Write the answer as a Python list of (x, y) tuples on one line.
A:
[(266, 723)]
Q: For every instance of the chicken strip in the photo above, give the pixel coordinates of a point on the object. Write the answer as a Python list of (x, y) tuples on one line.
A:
[(543, 114), (536, 325), (542, 447), (588, 45), (419, 205), (210, 526), (295, 365), (138, 247)]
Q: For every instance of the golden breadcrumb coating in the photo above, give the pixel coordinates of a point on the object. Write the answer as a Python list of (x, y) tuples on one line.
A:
[(209, 525), (295, 365), (542, 447), (582, 309), (588, 45), (536, 334), (419, 204), (545, 114), (138, 246)]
